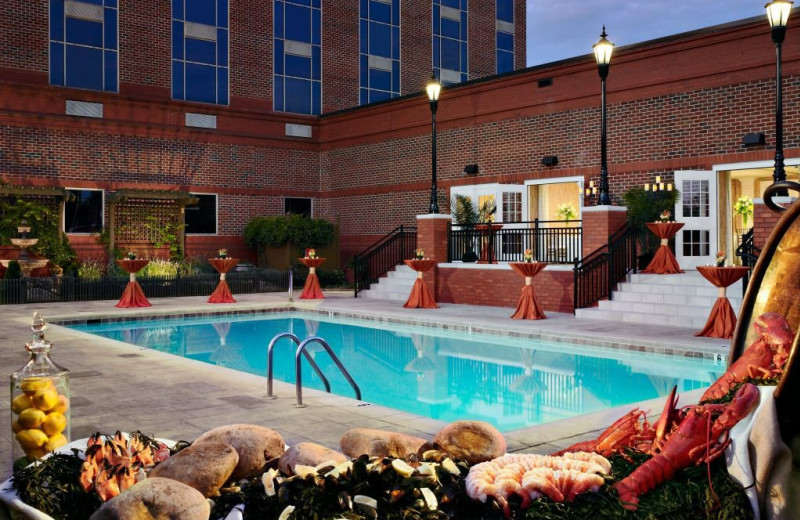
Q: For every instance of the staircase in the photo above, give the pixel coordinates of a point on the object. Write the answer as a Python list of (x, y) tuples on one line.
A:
[(396, 285), (681, 300)]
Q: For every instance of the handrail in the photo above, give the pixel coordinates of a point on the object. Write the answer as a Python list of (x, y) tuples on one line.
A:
[(301, 349), (551, 241), (386, 253), (597, 273), (748, 252), (308, 357)]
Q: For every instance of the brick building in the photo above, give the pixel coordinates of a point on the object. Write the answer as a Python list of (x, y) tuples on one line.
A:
[(678, 108)]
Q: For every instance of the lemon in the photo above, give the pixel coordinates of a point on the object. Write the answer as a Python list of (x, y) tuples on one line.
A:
[(36, 453), (32, 384), (16, 427), (21, 402), (54, 423), (31, 439), (62, 405), (31, 418), (55, 442), (45, 399)]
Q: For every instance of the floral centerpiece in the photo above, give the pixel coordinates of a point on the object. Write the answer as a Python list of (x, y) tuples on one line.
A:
[(744, 207), (419, 254), (720, 258), (131, 255), (665, 216), (527, 256), (223, 253), (566, 212), (310, 253)]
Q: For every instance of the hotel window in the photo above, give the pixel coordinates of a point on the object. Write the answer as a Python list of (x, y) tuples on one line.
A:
[(298, 62), (200, 51), (83, 44), (201, 218), (84, 213), (379, 39), (504, 28), (297, 206), (450, 40)]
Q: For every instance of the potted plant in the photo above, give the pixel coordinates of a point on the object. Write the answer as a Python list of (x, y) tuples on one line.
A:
[(467, 214), (643, 207), (744, 207)]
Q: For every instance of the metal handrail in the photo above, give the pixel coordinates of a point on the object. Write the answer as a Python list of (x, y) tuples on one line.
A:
[(748, 252), (552, 241), (389, 251), (597, 273), (308, 357), (301, 349)]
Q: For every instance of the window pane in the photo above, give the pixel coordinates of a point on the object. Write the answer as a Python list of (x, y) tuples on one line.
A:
[(451, 28), (201, 51), (202, 218), (505, 41), (451, 54), (380, 40), (298, 66), (297, 206), (505, 10), (84, 32), (298, 23), (505, 62), (84, 67), (201, 83), (201, 11), (298, 96), (84, 214), (380, 12), (380, 79)]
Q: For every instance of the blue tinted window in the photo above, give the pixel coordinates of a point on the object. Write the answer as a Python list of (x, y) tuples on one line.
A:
[(298, 62), (379, 63), (505, 35), (450, 40), (83, 46), (200, 51)]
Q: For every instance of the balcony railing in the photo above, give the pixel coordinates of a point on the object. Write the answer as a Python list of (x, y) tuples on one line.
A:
[(552, 241)]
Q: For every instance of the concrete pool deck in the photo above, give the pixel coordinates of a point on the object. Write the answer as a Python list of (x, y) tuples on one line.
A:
[(116, 386)]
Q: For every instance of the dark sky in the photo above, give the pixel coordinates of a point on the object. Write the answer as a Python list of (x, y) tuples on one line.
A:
[(560, 29)]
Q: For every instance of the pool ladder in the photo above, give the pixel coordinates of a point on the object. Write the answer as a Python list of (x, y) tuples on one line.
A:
[(298, 378)]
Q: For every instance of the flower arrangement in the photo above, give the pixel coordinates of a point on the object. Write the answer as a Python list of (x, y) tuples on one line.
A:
[(419, 254), (310, 253), (131, 255), (665, 216), (528, 256), (223, 253), (566, 212), (720, 259), (744, 207)]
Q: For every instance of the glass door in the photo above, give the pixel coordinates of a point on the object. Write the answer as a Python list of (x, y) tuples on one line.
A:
[(696, 242)]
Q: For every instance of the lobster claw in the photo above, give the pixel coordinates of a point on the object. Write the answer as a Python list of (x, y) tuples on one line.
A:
[(666, 421)]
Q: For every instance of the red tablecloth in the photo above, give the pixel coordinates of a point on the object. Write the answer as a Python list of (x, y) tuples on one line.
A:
[(312, 290), (664, 261), (528, 308), (487, 239), (132, 296), (222, 294), (421, 296), (722, 320)]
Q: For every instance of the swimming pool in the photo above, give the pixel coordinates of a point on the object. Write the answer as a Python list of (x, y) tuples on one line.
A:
[(508, 381)]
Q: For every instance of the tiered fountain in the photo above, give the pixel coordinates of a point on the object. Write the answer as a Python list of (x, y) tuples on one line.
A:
[(26, 263)]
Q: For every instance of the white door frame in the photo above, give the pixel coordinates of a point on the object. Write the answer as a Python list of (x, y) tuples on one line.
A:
[(578, 179), (708, 223)]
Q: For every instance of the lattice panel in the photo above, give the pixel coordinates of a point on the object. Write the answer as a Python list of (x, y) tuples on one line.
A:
[(135, 219)]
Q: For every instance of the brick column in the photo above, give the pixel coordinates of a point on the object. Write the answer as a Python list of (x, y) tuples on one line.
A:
[(764, 219), (600, 222), (432, 239)]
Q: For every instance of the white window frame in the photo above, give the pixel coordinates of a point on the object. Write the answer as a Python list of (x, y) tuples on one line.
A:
[(102, 212), (496, 189), (578, 179), (216, 217)]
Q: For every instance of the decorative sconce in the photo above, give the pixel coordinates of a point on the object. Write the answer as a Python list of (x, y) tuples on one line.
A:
[(658, 185), (591, 191)]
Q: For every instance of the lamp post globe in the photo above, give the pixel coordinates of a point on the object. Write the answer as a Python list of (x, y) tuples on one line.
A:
[(433, 88), (602, 54), (778, 16)]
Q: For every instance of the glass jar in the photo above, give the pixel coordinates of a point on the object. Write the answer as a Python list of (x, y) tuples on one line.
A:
[(40, 403)]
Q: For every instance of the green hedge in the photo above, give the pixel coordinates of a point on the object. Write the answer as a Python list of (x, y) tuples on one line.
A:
[(278, 231)]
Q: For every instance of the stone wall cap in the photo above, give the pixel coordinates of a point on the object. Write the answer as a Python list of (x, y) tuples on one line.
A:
[(779, 200), (603, 209), (434, 216)]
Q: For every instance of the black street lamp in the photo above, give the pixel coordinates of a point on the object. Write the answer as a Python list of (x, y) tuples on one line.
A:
[(433, 87), (778, 16), (602, 53)]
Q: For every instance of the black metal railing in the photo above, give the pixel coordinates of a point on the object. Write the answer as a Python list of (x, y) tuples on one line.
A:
[(596, 275), (386, 253), (69, 288), (748, 252), (552, 241)]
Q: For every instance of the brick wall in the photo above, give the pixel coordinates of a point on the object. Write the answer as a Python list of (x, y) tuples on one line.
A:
[(481, 18), (502, 288), (764, 220), (24, 36)]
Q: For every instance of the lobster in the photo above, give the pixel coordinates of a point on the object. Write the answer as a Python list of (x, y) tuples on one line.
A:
[(764, 358), (696, 440), (626, 431)]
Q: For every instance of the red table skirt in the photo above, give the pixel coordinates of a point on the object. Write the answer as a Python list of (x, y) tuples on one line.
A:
[(663, 262), (721, 322), (420, 297), (222, 294), (312, 290), (528, 308), (133, 296)]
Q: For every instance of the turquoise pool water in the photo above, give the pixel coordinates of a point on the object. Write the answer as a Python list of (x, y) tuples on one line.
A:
[(447, 375)]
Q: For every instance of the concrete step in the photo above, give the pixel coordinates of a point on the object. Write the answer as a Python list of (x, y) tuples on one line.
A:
[(676, 299), (734, 290), (693, 322)]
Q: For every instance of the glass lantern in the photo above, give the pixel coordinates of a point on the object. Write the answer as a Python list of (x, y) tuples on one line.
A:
[(40, 402)]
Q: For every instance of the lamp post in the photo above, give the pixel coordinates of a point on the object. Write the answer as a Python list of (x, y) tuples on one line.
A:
[(602, 53), (433, 87), (778, 15)]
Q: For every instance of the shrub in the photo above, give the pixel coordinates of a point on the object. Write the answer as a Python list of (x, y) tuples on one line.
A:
[(43, 221), (278, 231), (159, 268), (91, 269), (13, 271), (646, 206)]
